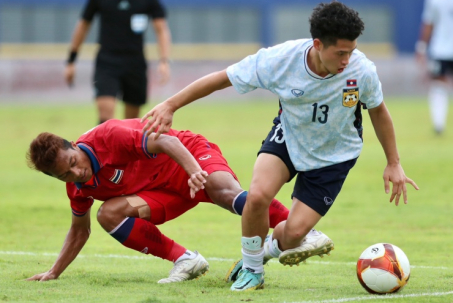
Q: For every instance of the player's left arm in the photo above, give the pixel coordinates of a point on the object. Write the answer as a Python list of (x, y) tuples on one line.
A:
[(173, 147), (163, 37), (385, 132)]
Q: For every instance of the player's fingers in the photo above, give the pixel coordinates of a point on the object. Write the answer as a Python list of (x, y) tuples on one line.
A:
[(387, 186), (148, 123), (192, 193), (410, 181), (404, 193), (399, 191), (34, 278)]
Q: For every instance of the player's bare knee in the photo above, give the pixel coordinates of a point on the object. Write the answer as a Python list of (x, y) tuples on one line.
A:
[(258, 199)]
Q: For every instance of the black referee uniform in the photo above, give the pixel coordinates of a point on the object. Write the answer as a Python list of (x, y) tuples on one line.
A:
[(121, 68)]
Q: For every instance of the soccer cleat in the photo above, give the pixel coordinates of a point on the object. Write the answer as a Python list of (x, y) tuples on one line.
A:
[(315, 244), (233, 272), (187, 269), (247, 279)]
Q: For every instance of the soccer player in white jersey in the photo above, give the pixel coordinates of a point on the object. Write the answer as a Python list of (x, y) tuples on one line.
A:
[(437, 24), (322, 83)]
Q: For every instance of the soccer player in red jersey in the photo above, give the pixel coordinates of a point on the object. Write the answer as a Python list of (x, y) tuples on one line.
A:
[(143, 183)]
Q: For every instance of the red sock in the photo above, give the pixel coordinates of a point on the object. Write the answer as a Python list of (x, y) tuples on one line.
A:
[(277, 213), (145, 237)]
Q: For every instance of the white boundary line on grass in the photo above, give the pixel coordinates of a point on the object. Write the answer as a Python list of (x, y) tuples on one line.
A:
[(142, 257), (377, 297)]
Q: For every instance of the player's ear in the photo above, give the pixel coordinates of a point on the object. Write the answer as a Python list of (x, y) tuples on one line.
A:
[(74, 146), (317, 44)]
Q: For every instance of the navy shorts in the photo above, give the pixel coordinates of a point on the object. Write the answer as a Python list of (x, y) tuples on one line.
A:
[(316, 188), (440, 68), (123, 76)]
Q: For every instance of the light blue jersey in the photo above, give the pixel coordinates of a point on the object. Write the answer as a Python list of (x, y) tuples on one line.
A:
[(318, 113)]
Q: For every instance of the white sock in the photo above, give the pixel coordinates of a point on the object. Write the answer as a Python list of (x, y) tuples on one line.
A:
[(438, 104), (272, 250), (187, 255), (252, 253), (253, 261)]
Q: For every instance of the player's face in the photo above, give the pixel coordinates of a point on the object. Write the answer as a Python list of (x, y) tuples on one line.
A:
[(72, 165), (335, 57)]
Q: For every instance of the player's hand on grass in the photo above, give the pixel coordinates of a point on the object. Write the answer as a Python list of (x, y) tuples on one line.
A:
[(45, 276), (196, 182), (161, 119), (394, 173), (69, 73)]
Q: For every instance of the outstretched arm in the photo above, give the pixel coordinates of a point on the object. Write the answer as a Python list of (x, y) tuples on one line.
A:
[(383, 126), (162, 114), (177, 151), (75, 240)]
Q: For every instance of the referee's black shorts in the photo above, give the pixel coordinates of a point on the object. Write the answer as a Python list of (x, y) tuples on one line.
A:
[(316, 188), (123, 76)]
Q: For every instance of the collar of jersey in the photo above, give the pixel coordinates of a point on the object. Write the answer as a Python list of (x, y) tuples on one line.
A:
[(95, 164), (309, 71)]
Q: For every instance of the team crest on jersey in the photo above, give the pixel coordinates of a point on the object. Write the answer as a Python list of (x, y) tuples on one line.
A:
[(117, 176), (350, 96)]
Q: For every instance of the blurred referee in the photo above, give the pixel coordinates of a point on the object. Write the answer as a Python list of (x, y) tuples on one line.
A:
[(121, 68)]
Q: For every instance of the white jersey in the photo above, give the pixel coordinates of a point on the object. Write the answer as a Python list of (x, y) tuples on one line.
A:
[(318, 113), (439, 13)]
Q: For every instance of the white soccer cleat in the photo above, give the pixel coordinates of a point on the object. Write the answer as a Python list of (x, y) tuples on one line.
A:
[(315, 244), (187, 269)]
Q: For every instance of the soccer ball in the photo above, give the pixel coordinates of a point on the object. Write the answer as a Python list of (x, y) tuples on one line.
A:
[(383, 268)]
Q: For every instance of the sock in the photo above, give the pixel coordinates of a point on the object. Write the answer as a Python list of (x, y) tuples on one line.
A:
[(438, 104), (252, 254), (187, 255), (145, 237), (277, 211), (272, 250)]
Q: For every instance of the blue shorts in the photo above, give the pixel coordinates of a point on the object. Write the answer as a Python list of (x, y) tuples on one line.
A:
[(316, 188)]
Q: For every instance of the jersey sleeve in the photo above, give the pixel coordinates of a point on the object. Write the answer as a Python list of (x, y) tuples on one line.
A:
[(90, 9), (372, 96), (429, 12), (249, 73), (126, 144), (157, 10), (79, 204)]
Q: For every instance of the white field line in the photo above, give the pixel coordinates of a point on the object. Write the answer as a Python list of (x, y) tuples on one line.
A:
[(376, 297), (144, 257)]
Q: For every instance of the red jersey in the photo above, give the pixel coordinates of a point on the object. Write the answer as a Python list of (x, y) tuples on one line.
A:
[(121, 163)]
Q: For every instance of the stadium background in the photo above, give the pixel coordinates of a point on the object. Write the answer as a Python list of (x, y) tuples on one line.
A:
[(207, 36)]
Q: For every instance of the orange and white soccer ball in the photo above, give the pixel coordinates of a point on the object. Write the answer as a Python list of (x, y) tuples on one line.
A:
[(383, 268)]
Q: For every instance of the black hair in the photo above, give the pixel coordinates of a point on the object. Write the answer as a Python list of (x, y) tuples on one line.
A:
[(332, 21)]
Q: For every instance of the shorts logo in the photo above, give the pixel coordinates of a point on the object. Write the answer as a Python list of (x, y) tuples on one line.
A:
[(205, 157), (328, 201), (297, 92), (144, 250), (350, 96)]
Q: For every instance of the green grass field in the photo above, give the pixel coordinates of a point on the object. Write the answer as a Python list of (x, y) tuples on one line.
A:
[(35, 217)]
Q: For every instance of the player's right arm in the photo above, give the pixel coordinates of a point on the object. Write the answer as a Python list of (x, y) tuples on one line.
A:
[(162, 114), (80, 32), (75, 240)]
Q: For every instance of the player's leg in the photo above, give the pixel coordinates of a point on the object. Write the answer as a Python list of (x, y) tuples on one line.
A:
[(132, 220), (135, 86), (106, 108), (106, 85), (269, 175), (438, 95), (314, 193)]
